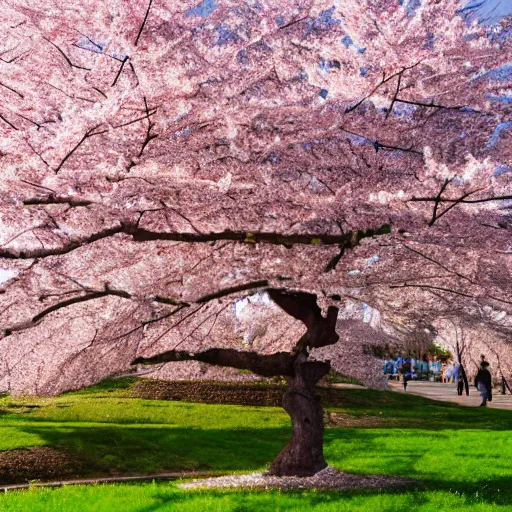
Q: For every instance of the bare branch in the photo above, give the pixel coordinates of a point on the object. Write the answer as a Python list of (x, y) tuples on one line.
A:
[(396, 93), (143, 23), (461, 199), (120, 70), (234, 289), (12, 90), (437, 200), (88, 133), (71, 65), (8, 122), (437, 263), (382, 82), (63, 304), (427, 287)]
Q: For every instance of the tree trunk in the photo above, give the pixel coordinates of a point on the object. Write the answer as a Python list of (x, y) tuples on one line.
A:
[(303, 456)]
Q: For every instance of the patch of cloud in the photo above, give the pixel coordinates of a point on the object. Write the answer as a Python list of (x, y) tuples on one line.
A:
[(502, 73), (324, 21), (348, 42), (256, 298), (373, 259), (502, 169), (501, 99), (204, 9), (497, 132), (410, 6), (88, 44), (6, 274), (367, 312), (486, 12), (226, 36), (403, 109), (183, 133)]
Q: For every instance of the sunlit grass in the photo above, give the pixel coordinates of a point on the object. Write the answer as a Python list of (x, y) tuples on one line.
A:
[(461, 457)]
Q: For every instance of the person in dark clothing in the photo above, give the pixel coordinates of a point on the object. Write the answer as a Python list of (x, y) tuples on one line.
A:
[(483, 382), (460, 386), (406, 372), (459, 379)]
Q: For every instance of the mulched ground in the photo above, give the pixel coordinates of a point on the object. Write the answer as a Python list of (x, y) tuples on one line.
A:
[(210, 392), (235, 393), (41, 463), (327, 479)]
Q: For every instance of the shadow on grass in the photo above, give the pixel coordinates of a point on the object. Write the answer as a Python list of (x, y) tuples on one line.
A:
[(139, 449), (412, 411), (470, 466), (434, 495)]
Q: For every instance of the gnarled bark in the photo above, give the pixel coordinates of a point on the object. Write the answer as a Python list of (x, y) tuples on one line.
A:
[(303, 456)]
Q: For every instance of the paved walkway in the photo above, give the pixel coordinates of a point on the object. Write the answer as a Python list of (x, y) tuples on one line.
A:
[(448, 393)]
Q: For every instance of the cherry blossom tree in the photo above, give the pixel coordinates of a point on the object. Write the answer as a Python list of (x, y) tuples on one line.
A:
[(162, 162)]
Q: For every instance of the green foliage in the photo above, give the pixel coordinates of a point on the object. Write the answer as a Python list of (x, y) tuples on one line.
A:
[(440, 352)]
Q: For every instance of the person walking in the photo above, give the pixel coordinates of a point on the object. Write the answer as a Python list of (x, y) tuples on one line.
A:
[(459, 379), (483, 382)]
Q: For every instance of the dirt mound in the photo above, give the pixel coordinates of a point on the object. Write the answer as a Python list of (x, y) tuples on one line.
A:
[(40, 463)]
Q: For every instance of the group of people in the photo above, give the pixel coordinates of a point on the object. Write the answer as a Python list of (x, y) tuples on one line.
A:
[(411, 369), (416, 369)]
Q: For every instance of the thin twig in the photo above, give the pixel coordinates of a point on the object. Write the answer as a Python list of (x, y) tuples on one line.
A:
[(143, 23), (120, 70)]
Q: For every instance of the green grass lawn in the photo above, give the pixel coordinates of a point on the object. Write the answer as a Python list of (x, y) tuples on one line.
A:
[(462, 456)]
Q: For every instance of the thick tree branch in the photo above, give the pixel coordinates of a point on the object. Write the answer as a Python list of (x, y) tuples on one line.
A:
[(348, 240), (234, 289), (280, 363), (52, 199), (303, 306)]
